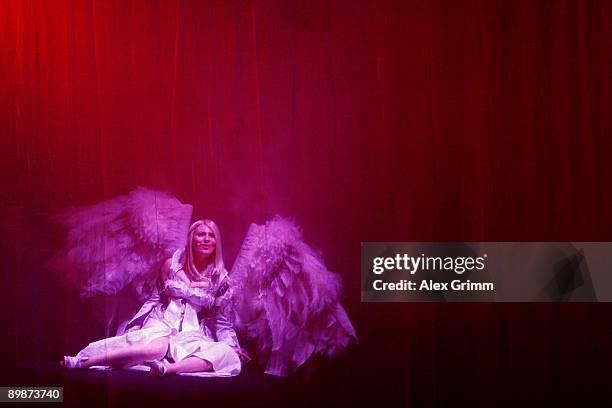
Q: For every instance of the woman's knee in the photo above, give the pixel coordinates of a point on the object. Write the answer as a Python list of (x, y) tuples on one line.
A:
[(157, 348)]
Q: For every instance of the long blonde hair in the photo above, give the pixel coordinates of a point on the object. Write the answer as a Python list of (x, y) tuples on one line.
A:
[(219, 266)]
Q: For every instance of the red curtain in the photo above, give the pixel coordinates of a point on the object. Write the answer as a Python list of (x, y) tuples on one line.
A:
[(364, 120)]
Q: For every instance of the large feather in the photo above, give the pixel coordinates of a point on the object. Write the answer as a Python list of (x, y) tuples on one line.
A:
[(286, 300), (120, 241), (114, 249)]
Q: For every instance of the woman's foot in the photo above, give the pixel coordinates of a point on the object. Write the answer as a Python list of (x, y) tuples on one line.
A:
[(157, 368), (73, 363)]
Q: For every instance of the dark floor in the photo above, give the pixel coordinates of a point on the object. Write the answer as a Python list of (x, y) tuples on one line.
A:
[(336, 383), (134, 388), (339, 386)]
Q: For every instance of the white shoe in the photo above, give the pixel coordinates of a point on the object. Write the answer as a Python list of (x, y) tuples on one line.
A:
[(72, 363), (157, 368)]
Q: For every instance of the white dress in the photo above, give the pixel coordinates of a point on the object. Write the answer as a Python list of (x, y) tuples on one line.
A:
[(210, 339)]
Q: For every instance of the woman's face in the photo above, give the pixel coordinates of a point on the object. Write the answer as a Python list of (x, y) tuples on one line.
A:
[(204, 241)]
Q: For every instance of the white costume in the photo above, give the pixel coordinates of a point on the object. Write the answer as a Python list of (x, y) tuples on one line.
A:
[(210, 339)]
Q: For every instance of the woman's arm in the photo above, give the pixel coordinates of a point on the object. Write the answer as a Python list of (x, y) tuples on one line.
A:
[(204, 283), (197, 296), (183, 277), (140, 317), (166, 269)]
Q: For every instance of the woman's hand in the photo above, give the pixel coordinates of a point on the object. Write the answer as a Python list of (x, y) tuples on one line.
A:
[(204, 283)]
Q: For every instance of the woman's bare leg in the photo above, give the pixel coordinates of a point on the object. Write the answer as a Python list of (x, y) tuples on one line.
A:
[(189, 365), (136, 354)]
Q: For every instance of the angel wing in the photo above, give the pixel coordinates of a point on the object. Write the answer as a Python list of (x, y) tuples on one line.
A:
[(285, 299), (117, 246)]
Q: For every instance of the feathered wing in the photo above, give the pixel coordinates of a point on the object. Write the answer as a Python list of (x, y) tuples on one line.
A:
[(114, 249), (285, 299)]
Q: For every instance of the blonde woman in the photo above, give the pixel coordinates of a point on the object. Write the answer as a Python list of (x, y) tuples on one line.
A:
[(186, 329)]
